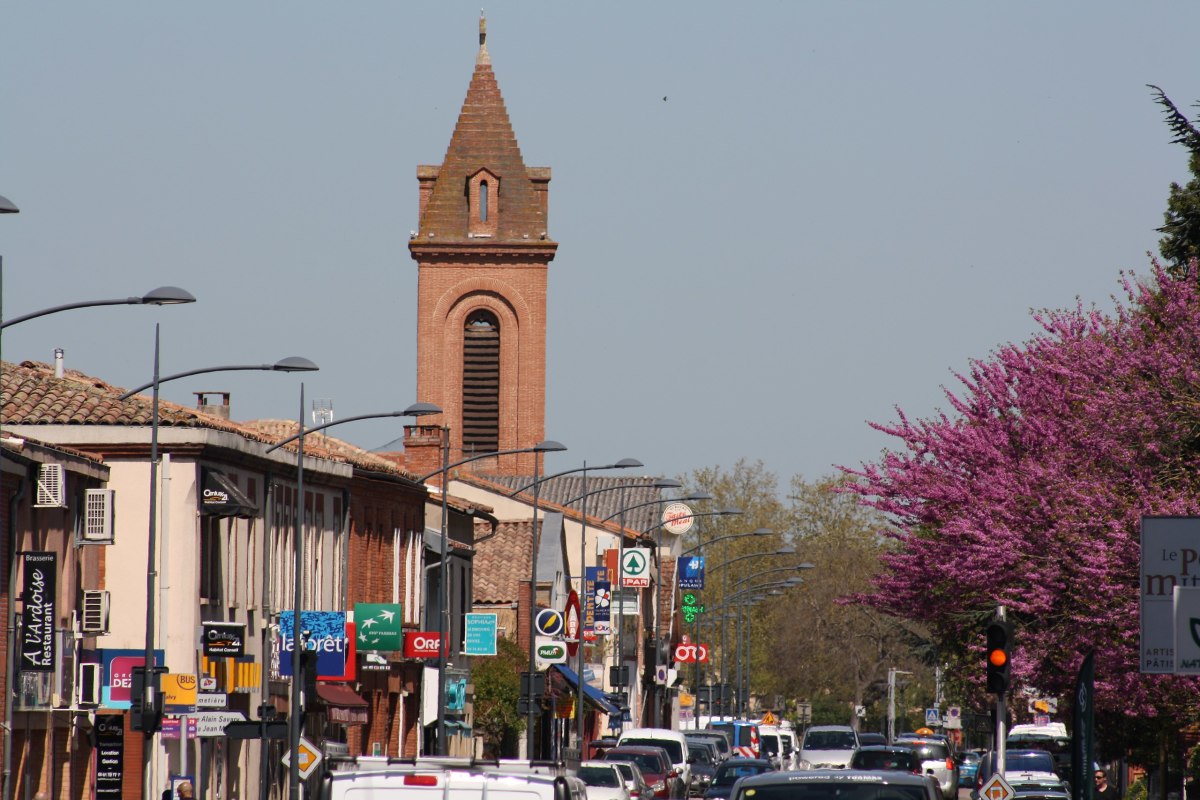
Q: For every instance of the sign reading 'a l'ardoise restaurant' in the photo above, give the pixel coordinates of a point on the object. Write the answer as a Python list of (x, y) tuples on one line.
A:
[(38, 592)]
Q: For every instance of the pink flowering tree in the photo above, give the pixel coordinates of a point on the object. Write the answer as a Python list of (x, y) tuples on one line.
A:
[(1030, 490)]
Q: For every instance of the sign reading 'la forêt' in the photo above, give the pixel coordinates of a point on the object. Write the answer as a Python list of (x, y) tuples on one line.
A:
[(38, 592)]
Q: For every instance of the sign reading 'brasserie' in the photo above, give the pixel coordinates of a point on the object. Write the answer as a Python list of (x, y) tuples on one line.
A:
[(38, 593)]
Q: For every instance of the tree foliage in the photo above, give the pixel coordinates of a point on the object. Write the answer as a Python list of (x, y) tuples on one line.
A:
[(1030, 494), (497, 682), (804, 644), (1181, 241)]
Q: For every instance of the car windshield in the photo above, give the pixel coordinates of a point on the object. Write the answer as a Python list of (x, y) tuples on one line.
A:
[(931, 751), (599, 776), (699, 754), (727, 774), (829, 740), (626, 769), (882, 759), (1028, 762), (769, 745), (674, 749), (837, 790)]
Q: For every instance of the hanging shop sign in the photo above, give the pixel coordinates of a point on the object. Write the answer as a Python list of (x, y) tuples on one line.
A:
[(691, 572), (223, 638), (326, 636), (479, 634), (379, 626), (39, 591)]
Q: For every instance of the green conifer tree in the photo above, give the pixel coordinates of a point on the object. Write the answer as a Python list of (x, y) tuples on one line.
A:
[(1181, 231)]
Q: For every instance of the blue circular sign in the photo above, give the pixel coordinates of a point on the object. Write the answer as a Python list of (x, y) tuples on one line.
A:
[(549, 622)]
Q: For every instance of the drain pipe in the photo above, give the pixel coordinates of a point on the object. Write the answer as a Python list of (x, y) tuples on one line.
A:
[(10, 682)]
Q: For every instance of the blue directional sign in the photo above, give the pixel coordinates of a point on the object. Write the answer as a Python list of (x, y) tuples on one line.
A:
[(691, 572)]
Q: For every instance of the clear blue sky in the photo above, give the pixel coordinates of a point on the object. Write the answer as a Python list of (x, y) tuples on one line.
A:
[(777, 220)]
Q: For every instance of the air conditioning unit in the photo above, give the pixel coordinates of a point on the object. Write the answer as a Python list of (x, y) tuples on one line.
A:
[(87, 685), (51, 487), (94, 619), (98, 516)]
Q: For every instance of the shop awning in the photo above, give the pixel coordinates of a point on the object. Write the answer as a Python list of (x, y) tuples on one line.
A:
[(220, 496), (342, 703), (594, 696)]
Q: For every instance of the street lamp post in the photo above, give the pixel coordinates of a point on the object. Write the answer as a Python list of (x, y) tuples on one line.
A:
[(151, 710), (547, 446), (783, 551), (415, 410), (166, 295), (624, 463)]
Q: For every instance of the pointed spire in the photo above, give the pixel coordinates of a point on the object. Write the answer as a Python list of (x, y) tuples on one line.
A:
[(483, 57), (483, 139)]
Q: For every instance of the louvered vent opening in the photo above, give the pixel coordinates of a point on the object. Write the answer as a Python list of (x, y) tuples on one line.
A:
[(481, 384), (51, 488), (98, 517), (95, 611)]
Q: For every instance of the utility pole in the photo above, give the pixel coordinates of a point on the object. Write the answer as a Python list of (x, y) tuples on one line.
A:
[(892, 673)]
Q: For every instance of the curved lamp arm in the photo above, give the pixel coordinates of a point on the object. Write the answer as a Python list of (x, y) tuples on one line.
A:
[(783, 551), (805, 565), (162, 296), (759, 532), (624, 463), (289, 364), (547, 446), (415, 410)]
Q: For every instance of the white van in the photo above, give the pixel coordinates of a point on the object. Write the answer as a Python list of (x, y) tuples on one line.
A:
[(674, 742), (779, 745), (368, 778)]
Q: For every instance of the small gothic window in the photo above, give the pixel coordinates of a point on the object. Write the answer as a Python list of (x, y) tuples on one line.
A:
[(483, 204), (481, 383)]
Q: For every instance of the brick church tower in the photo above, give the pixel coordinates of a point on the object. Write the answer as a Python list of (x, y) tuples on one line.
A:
[(482, 251)]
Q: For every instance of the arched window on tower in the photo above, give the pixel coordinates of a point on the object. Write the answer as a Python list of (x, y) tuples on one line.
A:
[(481, 384), (483, 204)]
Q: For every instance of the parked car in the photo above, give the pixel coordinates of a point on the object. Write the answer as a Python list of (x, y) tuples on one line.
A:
[(703, 759), (1019, 765), (363, 776), (842, 784), (656, 766), (968, 766), (936, 758), (1040, 789), (674, 742), (887, 757), (828, 747), (719, 739), (635, 781), (733, 770), (603, 779)]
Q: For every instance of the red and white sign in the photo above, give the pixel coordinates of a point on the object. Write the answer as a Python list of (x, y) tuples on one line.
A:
[(691, 653), (678, 518), (571, 623), (421, 644)]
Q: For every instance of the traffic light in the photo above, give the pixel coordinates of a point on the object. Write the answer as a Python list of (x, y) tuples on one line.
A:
[(999, 657)]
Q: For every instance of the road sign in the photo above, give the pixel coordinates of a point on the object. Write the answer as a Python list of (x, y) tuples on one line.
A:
[(310, 757), (953, 719), (996, 788), (549, 622), (635, 568), (933, 717)]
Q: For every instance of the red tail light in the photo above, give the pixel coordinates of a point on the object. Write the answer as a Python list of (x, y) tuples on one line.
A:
[(949, 761), (420, 780)]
